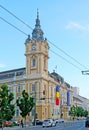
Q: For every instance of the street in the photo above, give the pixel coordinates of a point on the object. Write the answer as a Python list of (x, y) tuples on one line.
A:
[(73, 125)]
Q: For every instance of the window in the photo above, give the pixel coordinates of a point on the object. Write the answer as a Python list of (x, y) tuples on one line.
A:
[(19, 89), (17, 112), (33, 62), (19, 98), (33, 87), (33, 112)]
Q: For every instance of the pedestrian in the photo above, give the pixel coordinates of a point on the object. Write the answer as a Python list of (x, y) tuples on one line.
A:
[(22, 123), (73, 118)]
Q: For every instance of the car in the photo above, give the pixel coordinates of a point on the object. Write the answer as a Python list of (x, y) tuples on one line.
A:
[(8, 123), (38, 122), (87, 121), (15, 122), (61, 120), (49, 123)]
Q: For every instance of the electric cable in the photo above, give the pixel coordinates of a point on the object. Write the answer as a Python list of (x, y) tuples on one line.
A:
[(67, 55), (16, 17), (50, 50), (47, 40), (65, 59), (13, 26)]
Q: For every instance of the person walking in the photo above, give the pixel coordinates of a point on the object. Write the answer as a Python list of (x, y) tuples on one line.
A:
[(22, 123)]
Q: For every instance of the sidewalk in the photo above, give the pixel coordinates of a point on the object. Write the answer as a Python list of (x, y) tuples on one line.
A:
[(19, 127), (12, 128)]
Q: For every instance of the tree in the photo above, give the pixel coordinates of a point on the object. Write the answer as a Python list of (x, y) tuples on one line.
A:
[(25, 104), (78, 111), (85, 113), (7, 109)]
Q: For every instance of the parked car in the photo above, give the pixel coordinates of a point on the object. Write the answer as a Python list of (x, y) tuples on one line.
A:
[(87, 122), (15, 122), (48, 123), (61, 120), (8, 123), (38, 122)]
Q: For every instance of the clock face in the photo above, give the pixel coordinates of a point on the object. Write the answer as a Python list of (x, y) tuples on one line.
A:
[(33, 47)]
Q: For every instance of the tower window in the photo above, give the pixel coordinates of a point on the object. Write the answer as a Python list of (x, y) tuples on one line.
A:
[(33, 62)]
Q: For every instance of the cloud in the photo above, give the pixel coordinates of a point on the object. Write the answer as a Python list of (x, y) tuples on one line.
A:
[(2, 65), (75, 25)]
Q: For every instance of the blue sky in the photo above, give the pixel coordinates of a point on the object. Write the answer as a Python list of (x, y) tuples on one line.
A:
[(65, 23)]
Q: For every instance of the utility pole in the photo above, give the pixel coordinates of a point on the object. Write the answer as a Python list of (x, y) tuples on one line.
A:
[(86, 72), (35, 110)]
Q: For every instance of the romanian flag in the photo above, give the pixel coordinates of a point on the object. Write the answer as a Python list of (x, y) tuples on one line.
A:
[(57, 95), (57, 101)]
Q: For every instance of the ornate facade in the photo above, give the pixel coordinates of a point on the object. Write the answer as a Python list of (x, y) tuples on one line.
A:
[(37, 81)]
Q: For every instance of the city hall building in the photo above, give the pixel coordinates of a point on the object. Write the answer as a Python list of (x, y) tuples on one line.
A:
[(52, 95)]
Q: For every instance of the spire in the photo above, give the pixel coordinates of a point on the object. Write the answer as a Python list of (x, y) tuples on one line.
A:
[(37, 14), (37, 33)]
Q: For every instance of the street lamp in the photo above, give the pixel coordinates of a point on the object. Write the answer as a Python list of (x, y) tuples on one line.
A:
[(35, 109), (85, 72)]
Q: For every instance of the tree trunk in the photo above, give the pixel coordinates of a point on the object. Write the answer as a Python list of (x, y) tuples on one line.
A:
[(2, 125), (25, 121)]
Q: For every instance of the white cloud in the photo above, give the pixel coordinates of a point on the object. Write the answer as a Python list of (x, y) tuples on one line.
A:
[(2, 65), (75, 25)]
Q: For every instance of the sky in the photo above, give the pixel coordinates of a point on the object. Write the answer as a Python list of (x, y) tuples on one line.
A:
[(65, 24)]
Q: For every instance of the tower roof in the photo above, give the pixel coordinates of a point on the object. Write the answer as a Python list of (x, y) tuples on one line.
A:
[(37, 33)]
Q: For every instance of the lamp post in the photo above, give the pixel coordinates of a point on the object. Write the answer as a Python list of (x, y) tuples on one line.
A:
[(86, 72), (35, 109)]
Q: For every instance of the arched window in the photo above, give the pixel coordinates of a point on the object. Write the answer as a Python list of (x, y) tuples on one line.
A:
[(33, 62)]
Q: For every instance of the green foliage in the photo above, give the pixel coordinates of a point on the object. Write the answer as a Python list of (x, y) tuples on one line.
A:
[(78, 111), (25, 104), (7, 109)]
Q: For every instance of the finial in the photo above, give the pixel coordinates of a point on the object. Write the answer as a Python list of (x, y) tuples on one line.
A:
[(28, 39), (37, 13), (45, 39)]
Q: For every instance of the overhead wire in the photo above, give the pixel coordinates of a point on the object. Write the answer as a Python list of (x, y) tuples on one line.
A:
[(47, 40), (16, 17), (67, 55), (50, 50), (13, 26), (65, 59)]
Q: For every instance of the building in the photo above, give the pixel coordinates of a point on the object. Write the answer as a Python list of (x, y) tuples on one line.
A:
[(79, 100), (52, 95), (76, 90)]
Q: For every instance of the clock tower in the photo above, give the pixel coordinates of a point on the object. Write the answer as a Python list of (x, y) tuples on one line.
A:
[(37, 67), (36, 53)]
